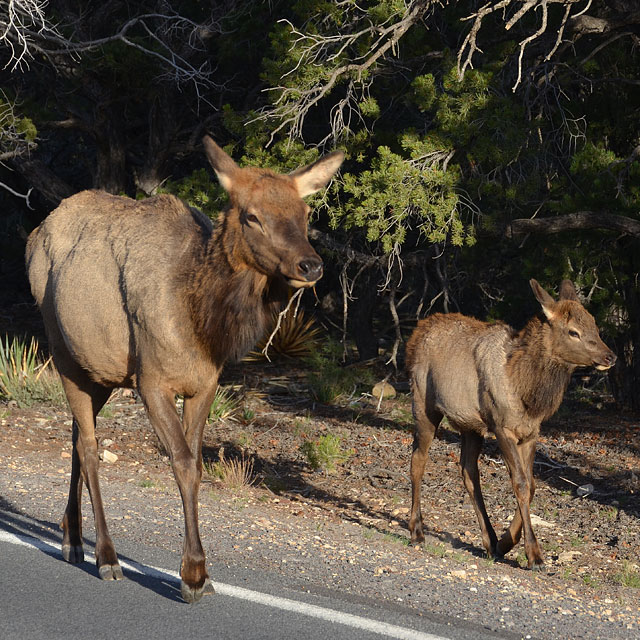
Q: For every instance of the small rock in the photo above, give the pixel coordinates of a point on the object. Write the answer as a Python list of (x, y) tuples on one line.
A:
[(107, 456), (65, 454), (539, 522), (459, 573), (568, 556), (383, 389), (584, 490), (107, 442)]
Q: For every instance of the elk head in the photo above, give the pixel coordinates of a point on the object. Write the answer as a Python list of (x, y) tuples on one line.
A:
[(267, 217), (574, 334)]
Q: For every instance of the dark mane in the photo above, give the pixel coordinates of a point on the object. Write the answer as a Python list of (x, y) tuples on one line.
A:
[(540, 379)]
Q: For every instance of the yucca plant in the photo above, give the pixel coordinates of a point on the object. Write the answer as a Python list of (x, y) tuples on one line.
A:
[(296, 337), (225, 404), (25, 376)]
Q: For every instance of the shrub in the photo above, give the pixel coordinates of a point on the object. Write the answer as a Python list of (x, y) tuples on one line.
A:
[(325, 452), (234, 474), (328, 379)]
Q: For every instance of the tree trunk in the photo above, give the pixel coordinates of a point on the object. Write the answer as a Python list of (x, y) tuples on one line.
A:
[(625, 377), (361, 313)]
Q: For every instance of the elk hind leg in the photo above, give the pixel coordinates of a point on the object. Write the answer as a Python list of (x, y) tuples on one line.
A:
[(426, 425), (86, 398), (471, 445)]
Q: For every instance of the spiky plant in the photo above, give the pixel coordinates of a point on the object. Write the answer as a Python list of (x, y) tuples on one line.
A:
[(296, 337), (225, 404), (25, 376)]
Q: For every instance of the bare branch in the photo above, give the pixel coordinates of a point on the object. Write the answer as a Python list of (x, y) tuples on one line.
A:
[(24, 196), (294, 298), (576, 24)]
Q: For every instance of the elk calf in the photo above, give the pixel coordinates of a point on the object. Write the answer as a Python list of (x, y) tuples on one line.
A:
[(486, 377), (147, 294)]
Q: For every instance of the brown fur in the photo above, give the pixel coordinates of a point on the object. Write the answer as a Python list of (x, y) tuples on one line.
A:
[(148, 294), (486, 377)]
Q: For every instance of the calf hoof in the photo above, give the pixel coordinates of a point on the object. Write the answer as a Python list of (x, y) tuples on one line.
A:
[(73, 553), (417, 537), (191, 595), (110, 572), (537, 564)]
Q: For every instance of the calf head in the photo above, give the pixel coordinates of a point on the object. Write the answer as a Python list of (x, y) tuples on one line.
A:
[(267, 217), (574, 334)]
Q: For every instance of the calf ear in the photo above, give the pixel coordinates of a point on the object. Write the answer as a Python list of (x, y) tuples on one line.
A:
[(568, 291), (314, 176), (547, 302), (222, 163)]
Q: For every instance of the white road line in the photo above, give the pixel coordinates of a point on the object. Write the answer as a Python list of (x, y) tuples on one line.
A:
[(347, 619)]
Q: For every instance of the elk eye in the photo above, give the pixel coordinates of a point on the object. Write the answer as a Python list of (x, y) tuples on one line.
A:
[(250, 218), (574, 334)]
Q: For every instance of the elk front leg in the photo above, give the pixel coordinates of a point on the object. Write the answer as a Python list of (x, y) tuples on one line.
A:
[(522, 482), (511, 537), (164, 418), (196, 411), (426, 424)]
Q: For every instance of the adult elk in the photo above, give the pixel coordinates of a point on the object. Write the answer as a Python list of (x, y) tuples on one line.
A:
[(147, 294), (486, 377)]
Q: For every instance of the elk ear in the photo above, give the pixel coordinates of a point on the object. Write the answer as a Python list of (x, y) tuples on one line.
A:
[(222, 163), (314, 176), (568, 291), (546, 301)]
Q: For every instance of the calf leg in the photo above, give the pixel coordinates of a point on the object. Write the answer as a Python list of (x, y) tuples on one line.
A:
[(426, 424), (85, 399), (511, 536), (163, 416), (471, 445), (522, 482)]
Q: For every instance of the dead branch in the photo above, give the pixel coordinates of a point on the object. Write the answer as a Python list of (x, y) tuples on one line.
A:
[(580, 220)]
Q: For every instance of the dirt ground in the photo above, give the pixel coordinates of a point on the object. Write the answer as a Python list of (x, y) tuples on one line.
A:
[(586, 509)]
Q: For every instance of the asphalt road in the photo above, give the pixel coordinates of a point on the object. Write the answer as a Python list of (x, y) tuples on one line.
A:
[(41, 596)]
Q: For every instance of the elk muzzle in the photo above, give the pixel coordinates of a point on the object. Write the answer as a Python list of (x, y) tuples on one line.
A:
[(606, 361), (309, 271)]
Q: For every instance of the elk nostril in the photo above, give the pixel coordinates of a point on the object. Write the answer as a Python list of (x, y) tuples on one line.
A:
[(311, 268)]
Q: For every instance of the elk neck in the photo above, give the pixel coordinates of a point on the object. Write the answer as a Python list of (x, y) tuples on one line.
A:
[(538, 376), (230, 303)]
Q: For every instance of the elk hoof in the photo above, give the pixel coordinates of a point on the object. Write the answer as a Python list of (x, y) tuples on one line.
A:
[(110, 572), (73, 553), (192, 595)]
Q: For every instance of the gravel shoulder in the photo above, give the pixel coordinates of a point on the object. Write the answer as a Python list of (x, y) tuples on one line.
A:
[(347, 530)]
